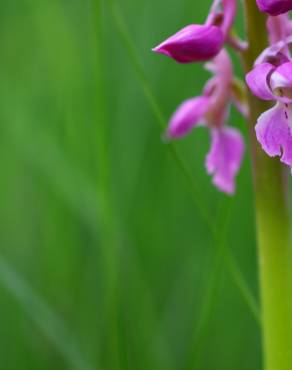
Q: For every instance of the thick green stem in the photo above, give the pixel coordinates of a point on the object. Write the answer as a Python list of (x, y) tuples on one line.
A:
[(275, 257)]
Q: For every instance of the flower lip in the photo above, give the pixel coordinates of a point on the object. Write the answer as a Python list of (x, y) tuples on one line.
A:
[(274, 134), (224, 158), (274, 7)]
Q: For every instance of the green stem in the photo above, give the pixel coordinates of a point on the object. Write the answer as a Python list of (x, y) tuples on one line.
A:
[(110, 227), (272, 216)]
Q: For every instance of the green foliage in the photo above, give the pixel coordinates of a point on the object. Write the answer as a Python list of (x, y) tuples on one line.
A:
[(121, 253)]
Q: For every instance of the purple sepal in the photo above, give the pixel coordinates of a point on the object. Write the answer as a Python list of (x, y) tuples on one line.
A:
[(258, 81)]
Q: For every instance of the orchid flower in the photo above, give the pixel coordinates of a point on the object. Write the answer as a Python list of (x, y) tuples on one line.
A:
[(196, 43), (274, 7), (271, 79), (212, 110)]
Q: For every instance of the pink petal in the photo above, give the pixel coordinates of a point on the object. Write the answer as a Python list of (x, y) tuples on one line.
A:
[(236, 43), (274, 7), (274, 134), (229, 7), (219, 89), (282, 76), (224, 159), (188, 114), (221, 66), (281, 82), (278, 28), (257, 80), (193, 43)]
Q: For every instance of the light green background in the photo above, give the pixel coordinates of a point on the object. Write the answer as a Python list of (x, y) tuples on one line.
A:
[(106, 261)]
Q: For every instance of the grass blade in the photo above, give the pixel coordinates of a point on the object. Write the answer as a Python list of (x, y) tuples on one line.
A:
[(43, 316)]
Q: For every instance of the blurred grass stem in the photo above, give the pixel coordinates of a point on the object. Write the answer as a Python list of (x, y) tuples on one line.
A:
[(110, 229)]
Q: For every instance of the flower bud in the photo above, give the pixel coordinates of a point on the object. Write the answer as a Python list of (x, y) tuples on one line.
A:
[(197, 43), (274, 7), (193, 43)]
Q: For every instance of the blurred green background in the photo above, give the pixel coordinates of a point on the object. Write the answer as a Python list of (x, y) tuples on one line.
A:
[(111, 258)]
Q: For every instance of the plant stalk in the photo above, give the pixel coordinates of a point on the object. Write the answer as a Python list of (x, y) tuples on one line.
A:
[(272, 219)]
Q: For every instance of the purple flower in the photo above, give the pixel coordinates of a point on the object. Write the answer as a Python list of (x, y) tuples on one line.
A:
[(274, 7), (212, 110), (188, 114), (196, 43), (273, 81)]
